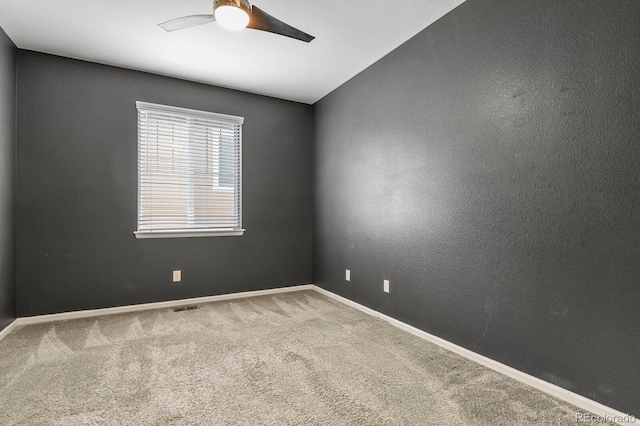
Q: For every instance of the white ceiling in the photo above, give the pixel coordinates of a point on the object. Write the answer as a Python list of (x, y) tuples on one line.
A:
[(350, 36)]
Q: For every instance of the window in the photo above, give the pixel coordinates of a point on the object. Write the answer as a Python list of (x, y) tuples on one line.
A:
[(189, 172)]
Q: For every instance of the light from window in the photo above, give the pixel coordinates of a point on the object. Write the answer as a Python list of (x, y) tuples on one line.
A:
[(189, 173)]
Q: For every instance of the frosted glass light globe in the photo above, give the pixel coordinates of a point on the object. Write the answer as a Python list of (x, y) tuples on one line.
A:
[(232, 18)]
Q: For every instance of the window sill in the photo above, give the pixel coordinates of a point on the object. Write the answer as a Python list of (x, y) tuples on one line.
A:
[(190, 233)]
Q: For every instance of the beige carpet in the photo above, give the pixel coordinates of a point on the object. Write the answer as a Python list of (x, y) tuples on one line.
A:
[(290, 359)]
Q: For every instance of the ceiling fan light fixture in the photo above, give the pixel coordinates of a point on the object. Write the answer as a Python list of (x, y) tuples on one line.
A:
[(232, 15), (236, 15)]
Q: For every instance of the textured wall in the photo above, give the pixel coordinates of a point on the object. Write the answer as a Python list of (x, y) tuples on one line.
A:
[(7, 180), (77, 196), (489, 168)]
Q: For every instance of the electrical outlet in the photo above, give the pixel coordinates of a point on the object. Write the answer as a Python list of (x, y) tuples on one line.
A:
[(348, 275), (177, 276), (386, 286)]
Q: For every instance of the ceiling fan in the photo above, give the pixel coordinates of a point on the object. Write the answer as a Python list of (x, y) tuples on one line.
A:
[(236, 15)]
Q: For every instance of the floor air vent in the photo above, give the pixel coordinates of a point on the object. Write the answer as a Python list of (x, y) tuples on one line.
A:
[(185, 308)]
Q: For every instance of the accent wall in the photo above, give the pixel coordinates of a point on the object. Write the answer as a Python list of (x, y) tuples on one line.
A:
[(489, 168)]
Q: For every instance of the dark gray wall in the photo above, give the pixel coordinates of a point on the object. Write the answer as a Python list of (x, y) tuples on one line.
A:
[(490, 169), (7, 180), (76, 200)]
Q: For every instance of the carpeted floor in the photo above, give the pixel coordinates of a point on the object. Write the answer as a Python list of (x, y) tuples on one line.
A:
[(291, 359)]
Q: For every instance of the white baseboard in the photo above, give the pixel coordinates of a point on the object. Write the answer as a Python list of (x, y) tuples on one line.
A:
[(158, 305), (7, 329), (561, 393)]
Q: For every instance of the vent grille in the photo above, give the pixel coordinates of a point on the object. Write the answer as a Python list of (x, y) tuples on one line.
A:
[(185, 308)]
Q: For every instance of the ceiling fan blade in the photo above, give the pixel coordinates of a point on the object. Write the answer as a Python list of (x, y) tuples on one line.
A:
[(260, 20), (186, 22)]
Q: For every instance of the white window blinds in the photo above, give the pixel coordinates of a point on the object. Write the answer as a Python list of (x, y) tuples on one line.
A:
[(189, 172)]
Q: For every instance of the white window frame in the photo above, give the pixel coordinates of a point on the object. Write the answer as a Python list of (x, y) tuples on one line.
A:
[(190, 232)]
